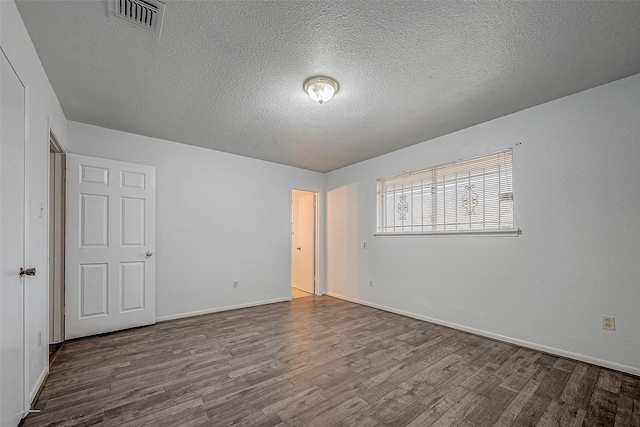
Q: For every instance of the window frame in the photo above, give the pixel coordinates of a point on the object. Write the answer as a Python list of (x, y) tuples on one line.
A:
[(434, 170)]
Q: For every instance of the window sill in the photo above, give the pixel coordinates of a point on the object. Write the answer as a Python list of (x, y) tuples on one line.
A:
[(501, 233)]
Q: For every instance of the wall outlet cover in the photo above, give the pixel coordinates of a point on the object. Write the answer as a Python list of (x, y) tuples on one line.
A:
[(608, 323)]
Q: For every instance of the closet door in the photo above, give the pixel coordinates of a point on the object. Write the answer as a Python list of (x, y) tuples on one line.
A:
[(12, 244)]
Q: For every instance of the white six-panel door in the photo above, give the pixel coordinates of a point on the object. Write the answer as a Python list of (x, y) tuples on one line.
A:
[(110, 240)]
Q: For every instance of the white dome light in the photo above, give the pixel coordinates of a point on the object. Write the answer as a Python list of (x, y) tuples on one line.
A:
[(320, 88)]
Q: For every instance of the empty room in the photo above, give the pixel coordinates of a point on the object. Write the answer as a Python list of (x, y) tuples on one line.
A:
[(319, 213)]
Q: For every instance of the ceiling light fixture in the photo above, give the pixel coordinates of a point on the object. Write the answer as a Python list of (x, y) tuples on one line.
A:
[(321, 88)]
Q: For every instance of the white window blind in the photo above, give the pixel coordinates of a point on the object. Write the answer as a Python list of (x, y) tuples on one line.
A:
[(470, 196)]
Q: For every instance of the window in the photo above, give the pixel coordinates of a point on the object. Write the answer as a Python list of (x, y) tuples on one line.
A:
[(471, 196)]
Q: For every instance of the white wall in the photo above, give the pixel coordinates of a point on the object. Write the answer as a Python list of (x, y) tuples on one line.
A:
[(576, 176), (220, 218), (43, 109)]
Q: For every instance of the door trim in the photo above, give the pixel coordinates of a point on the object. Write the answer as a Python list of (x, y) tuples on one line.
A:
[(55, 290)]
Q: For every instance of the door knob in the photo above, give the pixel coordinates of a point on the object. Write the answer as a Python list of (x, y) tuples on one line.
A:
[(149, 254), (29, 271)]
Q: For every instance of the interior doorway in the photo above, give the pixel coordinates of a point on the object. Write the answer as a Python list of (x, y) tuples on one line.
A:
[(56, 240), (304, 231)]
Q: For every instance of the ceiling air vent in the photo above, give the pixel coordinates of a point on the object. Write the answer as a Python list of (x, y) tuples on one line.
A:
[(143, 13)]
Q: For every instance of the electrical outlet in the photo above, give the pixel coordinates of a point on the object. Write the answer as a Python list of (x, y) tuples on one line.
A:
[(371, 283), (609, 323), (364, 245), (344, 281), (235, 284)]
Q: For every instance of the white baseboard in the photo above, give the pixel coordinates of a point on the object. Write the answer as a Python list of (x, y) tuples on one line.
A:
[(551, 350), (39, 383), (218, 309)]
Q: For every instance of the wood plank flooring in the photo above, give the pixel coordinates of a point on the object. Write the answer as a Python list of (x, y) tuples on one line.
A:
[(321, 361)]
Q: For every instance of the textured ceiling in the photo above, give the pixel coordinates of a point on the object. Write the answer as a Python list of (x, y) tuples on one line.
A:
[(228, 75)]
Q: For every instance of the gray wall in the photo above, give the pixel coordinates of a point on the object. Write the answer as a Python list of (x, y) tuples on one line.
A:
[(576, 176), (220, 218)]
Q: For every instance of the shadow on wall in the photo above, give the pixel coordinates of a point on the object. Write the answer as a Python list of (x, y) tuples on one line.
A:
[(344, 220)]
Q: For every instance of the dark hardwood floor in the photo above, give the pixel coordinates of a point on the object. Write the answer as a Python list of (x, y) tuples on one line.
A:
[(320, 361)]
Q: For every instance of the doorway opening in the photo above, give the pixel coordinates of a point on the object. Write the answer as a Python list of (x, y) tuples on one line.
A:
[(304, 240), (56, 243)]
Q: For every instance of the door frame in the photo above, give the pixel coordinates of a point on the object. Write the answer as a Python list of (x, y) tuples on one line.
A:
[(56, 207), (316, 238)]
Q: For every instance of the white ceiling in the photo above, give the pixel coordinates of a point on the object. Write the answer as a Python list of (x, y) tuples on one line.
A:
[(228, 75)]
